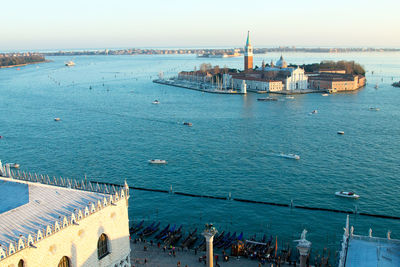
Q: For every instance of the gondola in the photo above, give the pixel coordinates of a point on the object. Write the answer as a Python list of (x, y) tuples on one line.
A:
[(160, 234), (136, 228), (146, 229), (189, 239), (152, 230)]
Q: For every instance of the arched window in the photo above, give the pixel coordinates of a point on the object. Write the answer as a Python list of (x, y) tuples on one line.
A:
[(64, 262), (21, 263), (102, 246)]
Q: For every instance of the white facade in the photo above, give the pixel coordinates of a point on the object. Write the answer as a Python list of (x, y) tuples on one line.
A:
[(31, 235), (257, 85), (298, 80)]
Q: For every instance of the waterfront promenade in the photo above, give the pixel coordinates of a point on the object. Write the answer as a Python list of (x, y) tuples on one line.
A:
[(156, 257)]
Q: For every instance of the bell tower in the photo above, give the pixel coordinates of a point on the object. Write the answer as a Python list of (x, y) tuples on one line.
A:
[(248, 54)]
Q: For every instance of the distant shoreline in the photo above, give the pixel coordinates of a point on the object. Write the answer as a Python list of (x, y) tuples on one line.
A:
[(25, 64), (216, 51)]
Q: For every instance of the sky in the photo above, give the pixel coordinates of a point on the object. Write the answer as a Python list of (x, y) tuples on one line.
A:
[(78, 24)]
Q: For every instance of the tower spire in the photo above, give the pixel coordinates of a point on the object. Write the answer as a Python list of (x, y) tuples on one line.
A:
[(248, 39)]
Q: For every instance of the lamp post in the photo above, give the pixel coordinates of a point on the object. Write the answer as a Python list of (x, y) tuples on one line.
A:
[(209, 233)]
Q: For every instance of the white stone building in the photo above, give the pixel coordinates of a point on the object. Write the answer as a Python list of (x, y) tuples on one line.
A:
[(61, 222)]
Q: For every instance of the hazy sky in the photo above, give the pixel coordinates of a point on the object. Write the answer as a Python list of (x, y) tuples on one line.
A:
[(62, 24)]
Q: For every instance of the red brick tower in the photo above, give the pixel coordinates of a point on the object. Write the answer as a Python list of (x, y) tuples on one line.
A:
[(248, 54)]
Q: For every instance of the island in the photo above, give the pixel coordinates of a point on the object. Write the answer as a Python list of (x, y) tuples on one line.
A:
[(9, 60)]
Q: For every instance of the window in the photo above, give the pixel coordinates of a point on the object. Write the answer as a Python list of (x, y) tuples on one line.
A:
[(21, 263), (64, 262), (102, 246)]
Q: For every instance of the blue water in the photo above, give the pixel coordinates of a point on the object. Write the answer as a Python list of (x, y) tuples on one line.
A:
[(109, 132)]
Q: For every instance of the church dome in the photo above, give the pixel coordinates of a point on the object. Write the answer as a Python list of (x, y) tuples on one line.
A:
[(281, 63)]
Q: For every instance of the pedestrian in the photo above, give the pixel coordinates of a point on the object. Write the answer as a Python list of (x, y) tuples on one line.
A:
[(164, 248), (158, 244), (174, 253), (178, 264), (195, 251), (145, 260), (151, 242)]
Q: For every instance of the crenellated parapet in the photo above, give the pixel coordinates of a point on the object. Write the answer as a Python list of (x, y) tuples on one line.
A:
[(112, 195)]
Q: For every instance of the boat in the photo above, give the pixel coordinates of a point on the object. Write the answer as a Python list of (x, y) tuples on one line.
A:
[(267, 99), (340, 132), (314, 111), (187, 123), (155, 102), (347, 194), (57, 119), (136, 228), (70, 64), (325, 94), (157, 161), (290, 97), (14, 165), (162, 233), (289, 156), (374, 109), (376, 86)]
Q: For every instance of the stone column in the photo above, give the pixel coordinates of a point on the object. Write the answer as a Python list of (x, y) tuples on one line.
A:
[(209, 233), (304, 248)]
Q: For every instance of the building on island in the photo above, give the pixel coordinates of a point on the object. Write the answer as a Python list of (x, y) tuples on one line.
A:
[(368, 251), (335, 82), (60, 222)]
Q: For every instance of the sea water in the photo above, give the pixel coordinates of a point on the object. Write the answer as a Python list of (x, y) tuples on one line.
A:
[(109, 129)]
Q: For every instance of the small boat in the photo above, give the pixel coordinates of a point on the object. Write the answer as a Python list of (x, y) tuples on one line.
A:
[(187, 123), (14, 165), (374, 109), (340, 132), (325, 94), (157, 161), (347, 194), (267, 99), (314, 111), (290, 97), (376, 86), (155, 102), (290, 156), (57, 119), (70, 64)]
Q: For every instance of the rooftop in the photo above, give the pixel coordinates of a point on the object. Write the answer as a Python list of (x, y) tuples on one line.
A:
[(28, 207), (372, 251)]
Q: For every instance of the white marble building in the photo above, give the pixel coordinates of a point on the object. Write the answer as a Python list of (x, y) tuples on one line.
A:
[(61, 222)]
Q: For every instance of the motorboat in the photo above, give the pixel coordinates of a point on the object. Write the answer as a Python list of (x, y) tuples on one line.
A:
[(314, 111), (57, 119), (290, 97), (340, 132), (70, 64), (376, 86), (267, 99), (289, 156), (347, 194), (325, 94), (374, 109), (14, 165), (155, 102), (157, 161), (188, 124)]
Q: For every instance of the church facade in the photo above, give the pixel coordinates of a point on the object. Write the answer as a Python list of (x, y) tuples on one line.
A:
[(273, 78), (62, 222)]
